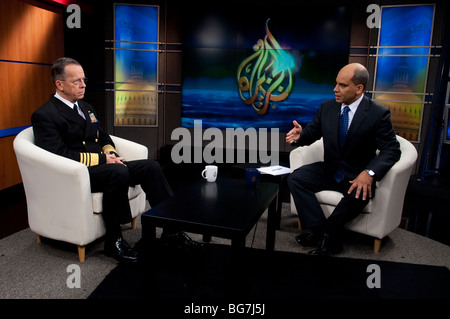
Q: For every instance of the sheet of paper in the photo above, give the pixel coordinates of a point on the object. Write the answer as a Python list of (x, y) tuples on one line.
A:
[(274, 170)]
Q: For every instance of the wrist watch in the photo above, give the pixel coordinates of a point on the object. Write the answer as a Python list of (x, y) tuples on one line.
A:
[(370, 172)]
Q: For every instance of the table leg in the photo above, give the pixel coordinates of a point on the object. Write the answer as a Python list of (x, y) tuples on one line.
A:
[(271, 224), (282, 186), (148, 232), (278, 212)]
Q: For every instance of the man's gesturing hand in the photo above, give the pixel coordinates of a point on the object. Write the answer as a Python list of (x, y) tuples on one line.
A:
[(294, 134)]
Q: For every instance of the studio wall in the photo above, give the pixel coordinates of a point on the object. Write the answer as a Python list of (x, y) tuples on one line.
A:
[(33, 34), (171, 65), (31, 38)]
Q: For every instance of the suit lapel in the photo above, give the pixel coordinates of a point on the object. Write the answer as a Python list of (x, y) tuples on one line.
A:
[(83, 109), (358, 118), (67, 112), (336, 112), (87, 121)]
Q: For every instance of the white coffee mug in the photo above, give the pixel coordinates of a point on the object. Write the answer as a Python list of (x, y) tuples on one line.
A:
[(210, 173)]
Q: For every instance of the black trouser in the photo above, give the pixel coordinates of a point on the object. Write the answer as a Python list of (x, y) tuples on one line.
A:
[(115, 179), (309, 179)]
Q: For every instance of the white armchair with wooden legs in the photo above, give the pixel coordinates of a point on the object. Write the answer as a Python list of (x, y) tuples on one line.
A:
[(383, 214), (58, 193)]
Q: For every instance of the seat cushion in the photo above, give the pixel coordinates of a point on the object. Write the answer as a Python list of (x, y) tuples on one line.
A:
[(331, 198), (97, 198)]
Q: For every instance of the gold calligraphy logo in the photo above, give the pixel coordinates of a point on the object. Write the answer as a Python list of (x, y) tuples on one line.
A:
[(265, 77)]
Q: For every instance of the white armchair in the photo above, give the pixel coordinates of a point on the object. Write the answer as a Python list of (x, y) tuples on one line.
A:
[(383, 214), (58, 192)]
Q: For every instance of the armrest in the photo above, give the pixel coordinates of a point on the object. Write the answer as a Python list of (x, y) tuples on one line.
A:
[(387, 205), (303, 155), (57, 190), (130, 150)]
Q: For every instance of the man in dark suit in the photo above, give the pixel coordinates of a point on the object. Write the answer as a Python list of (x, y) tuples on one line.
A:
[(350, 165), (68, 126)]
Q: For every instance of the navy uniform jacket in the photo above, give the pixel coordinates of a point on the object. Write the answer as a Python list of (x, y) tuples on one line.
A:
[(370, 130), (58, 129)]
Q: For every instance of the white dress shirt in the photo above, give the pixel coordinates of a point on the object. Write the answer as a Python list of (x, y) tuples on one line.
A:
[(70, 104), (353, 107)]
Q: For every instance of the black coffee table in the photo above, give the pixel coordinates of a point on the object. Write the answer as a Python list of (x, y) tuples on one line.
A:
[(227, 208), (281, 180)]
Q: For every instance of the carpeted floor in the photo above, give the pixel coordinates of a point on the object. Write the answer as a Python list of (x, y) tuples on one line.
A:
[(29, 270)]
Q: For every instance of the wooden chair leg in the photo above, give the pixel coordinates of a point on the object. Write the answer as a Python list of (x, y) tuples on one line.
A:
[(133, 223), (81, 253), (377, 245), (299, 225), (81, 249)]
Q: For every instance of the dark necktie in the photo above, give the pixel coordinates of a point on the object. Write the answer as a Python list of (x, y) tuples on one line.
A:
[(343, 128), (75, 109), (343, 125)]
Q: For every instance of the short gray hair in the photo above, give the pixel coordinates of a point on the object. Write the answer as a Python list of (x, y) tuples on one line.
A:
[(59, 66)]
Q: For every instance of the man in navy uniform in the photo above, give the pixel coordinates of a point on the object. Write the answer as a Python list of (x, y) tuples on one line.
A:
[(68, 126)]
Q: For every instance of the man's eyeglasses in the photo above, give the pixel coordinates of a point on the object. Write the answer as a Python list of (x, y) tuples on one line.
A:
[(78, 81)]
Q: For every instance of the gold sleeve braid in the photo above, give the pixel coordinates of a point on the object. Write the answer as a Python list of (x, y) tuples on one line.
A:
[(89, 159), (109, 148), (92, 159)]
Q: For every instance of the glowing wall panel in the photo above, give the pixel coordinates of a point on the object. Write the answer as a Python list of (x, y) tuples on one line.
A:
[(136, 65), (402, 65)]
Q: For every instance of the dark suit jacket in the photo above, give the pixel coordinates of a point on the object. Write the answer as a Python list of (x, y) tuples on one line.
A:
[(58, 129), (370, 130)]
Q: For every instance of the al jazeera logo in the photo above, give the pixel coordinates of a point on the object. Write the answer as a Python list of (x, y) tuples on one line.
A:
[(265, 77)]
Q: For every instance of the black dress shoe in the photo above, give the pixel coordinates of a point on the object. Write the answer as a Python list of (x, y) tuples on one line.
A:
[(180, 240), (308, 238), (121, 251), (328, 246)]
